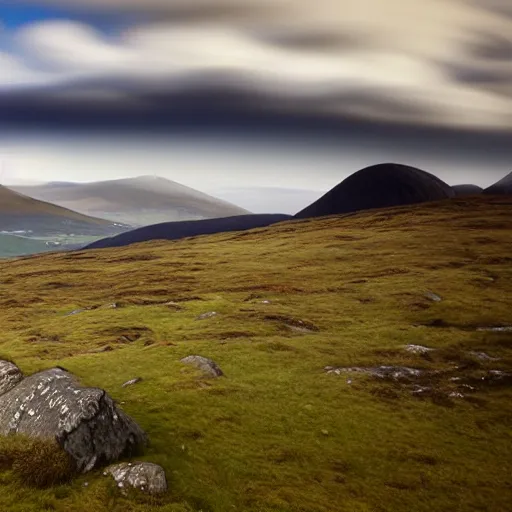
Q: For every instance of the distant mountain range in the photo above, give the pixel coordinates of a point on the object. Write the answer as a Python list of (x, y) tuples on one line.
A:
[(138, 201), (20, 214), (379, 186), (504, 186), (184, 229)]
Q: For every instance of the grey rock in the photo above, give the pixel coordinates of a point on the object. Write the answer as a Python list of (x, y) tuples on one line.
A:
[(204, 316), (483, 356), (209, 367), (507, 328), (433, 296), (144, 476), (132, 382), (10, 375), (84, 421), (418, 349), (75, 312)]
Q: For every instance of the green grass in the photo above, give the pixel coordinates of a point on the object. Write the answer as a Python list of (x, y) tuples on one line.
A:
[(277, 434)]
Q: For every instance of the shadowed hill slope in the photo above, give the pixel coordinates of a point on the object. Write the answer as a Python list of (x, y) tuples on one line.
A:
[(379, 186), (504, 186), (21, 213), (137, 201), (467, 190), (278, 432), (177, 230)]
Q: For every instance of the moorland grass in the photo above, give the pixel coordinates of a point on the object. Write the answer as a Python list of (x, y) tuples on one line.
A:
[(276, 433)]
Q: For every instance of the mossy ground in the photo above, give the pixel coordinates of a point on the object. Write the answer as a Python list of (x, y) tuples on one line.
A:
[(278, 434)]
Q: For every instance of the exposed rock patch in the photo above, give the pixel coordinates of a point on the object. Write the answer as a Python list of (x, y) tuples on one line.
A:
[(144, 476), (10, 375), (84, 421), (418, 349), (209, 314), (397, 373), (207, 366)]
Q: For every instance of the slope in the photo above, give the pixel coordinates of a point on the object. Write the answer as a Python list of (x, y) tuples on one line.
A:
[(184, 229), (21, 213), (379, 186), (504, 186), (278, 433), (137, 201)]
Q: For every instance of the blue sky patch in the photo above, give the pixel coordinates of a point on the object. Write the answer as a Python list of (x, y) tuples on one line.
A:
[(13, 16)]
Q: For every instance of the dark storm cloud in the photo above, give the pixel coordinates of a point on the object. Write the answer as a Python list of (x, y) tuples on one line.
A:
[(501, 7), (492, 47), (316, 40)]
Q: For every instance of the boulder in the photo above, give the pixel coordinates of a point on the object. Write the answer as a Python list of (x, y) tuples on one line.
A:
[(85, 422), (144, 476), (207, 366), (10, 375)]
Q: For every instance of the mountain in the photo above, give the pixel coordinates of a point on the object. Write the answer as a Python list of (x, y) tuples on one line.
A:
[(138, 201), (467, 190), (184, 229), (20, 214), (379, 186), (504, 186)]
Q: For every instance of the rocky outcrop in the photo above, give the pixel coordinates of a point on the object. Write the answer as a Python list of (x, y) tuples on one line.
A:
[(85, 422), (207, 366), (144, 476), (10, 375)]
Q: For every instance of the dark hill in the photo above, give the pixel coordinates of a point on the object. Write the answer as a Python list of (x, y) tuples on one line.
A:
[(504, 186), (467, 190), (184, 229), (379, 186)]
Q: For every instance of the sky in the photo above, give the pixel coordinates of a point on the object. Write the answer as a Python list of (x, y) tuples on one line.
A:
[(268, 103)]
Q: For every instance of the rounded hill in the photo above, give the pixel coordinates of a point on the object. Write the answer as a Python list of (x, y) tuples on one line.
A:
[(379, 186), (504, 186), (467, 190), (185, 229)]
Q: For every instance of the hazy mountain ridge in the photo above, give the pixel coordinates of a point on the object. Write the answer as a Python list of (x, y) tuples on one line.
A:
[(137, 201)]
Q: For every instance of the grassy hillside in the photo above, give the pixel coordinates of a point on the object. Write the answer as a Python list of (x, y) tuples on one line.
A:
[(278, 433), (22, 213)]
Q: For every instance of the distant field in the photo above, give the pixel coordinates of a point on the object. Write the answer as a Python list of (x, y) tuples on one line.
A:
[(278, 433), (14, 245)]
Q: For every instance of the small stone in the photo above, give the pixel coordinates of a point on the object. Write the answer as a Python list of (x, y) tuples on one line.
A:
[(145, 476), (418, 349), (433, 296), (132, 382), (209, 367), (204, 316), (325, 432), (483, 356)]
